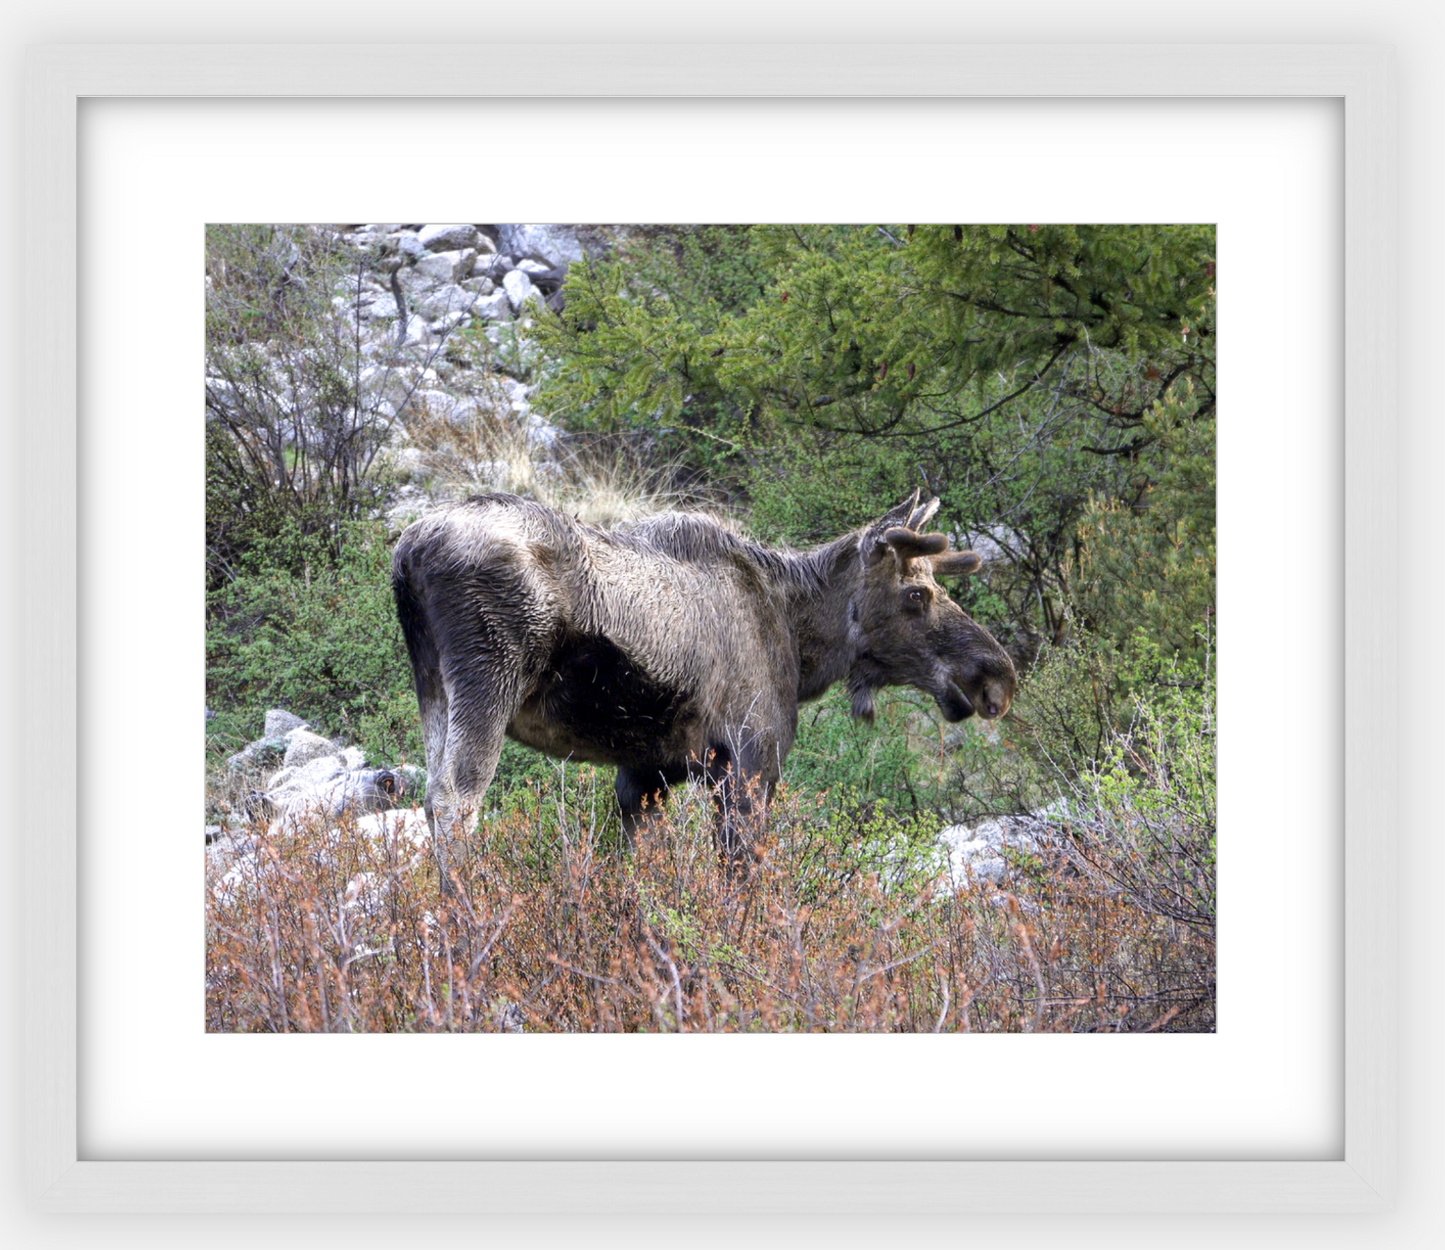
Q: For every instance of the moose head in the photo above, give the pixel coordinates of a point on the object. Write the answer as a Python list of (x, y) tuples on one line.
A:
[(910, 633)]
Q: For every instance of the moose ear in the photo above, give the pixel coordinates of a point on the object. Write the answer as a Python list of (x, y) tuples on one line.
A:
[(957, 563), (897, 516), (922, 513), (909, 543)]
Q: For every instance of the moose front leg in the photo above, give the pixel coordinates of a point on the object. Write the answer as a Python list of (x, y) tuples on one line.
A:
[(742, 785), (641, 792)]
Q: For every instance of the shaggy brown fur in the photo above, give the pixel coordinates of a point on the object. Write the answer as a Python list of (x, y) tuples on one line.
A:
[(669, 647)]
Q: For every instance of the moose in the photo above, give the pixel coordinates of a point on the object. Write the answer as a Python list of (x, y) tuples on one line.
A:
[(670, 647)]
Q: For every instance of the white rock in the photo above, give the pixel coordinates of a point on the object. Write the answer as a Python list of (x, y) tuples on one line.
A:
[(978, 853), (516, 392), (444, 300), (448, 238), (440, 405), (541, 433), (382, 308), (443, 326), (402, 834), (280, 778), (417, 331), (304, 779), (366, 236), (518, 287), (494, 307), (302, 746), (408, 823), (556, 244), (409, 244), (493, 267), (446, 266), (257, 754), (280, 722)]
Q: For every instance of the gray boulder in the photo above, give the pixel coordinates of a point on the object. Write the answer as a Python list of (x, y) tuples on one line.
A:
[(446, 266), (439, 405), (519, 289), (303, 746), (446, 300), (280, 722), (558, 245), (311, 773), (377, 305), (516, 393), (373, 234), (494, 307), (493, 267), (979, 853), (542, 434), (260, 754), (445, 324), (448, 238), (346, 792)]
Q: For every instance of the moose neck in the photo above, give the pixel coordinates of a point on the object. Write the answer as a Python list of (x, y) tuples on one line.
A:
[(820, 597)]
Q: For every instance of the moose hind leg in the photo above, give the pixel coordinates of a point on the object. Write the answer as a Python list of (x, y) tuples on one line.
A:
[(456, 790)]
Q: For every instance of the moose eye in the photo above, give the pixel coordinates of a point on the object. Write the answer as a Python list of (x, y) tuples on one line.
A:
[(915, 598)]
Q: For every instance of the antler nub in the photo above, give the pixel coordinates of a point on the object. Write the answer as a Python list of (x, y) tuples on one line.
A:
[(909, 544), (957, 563)]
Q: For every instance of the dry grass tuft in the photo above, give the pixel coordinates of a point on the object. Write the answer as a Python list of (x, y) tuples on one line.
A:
[(490, 446)]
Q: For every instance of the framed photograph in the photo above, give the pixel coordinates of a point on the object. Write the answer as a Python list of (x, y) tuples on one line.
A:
[(137, 1102)]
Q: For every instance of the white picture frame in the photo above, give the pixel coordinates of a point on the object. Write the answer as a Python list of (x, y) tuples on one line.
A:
[(1363, 1179)]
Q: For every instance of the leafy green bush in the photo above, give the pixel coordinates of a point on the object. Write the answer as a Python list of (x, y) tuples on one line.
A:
[(851, 762), (302, 627), (813, 488), (1150, 567), (1125, 738)]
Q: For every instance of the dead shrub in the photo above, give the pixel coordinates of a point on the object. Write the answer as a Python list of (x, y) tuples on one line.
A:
[(343, 928)]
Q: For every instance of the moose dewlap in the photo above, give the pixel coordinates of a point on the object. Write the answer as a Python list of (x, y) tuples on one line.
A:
[(670, 647)]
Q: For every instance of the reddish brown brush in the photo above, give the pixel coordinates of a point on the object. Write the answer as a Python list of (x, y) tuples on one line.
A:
[(345, 929)]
